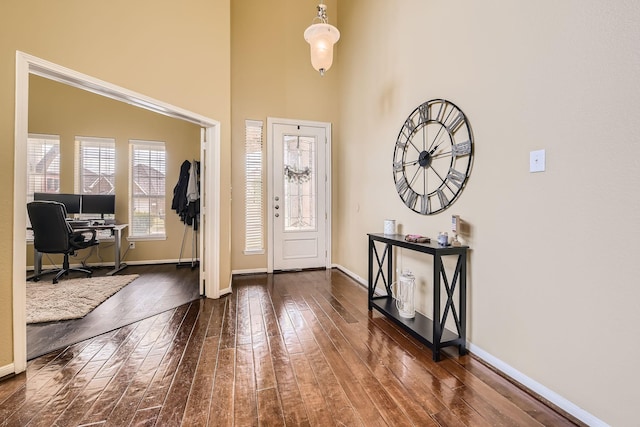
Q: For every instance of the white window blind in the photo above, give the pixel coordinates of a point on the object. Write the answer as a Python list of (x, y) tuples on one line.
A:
[(43, 168), (147, 184), (43, 164), (253, 188), (95, 165)]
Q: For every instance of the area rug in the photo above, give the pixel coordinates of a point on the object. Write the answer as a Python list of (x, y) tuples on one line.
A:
[(71, 298)]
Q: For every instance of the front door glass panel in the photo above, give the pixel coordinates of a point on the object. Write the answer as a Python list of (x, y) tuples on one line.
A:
[(300, 183)]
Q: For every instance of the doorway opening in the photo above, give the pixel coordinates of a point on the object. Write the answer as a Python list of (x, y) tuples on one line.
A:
[(210, 178)]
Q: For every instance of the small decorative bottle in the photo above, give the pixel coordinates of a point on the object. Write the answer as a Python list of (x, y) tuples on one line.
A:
[(443, 239)]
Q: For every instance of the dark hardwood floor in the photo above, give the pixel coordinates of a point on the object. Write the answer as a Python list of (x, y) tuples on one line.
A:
[(159, 288), (296, 349)]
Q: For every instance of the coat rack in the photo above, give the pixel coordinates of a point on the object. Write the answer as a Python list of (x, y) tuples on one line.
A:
[(186, 203)]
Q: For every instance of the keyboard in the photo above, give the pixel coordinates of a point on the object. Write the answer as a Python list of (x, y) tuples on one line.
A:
[(75, 223)]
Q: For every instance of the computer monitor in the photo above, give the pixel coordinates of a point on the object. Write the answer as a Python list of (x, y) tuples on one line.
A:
[(70, 201), (101, 204)]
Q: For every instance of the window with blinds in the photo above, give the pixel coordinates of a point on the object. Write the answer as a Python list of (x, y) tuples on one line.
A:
[(95, 165), (147, 187), (43, 164), (254, 242), (43, 168)]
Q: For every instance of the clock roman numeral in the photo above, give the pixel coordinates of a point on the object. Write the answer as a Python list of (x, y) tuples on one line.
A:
[(425, 205), (401, 143), (424, 113), (456, 123), (411, 199), (456, 177), (441, 111), (398, 167), (461, 149), (443, 199), (402, 186), (410, 125)]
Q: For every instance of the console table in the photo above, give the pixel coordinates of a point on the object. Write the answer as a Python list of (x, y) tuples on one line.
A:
[(430, 332)]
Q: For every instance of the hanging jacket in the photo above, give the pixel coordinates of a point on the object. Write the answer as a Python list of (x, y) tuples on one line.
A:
[(193, 195), (180, 203)]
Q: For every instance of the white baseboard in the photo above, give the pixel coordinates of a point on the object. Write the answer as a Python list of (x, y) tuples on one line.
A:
[(249, 271), (536, 387), (225, 291), (229, 289), (7, 370), (153, 261), (351, 274)]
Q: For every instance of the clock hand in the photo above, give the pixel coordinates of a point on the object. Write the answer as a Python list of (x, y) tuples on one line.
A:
[(434, 149), (439, 155), (442, 123), (437, 142), (431, 150)]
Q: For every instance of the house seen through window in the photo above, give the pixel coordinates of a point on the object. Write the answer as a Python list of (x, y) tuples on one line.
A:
[(43, 164), (147, 208), (43, 168), (95, 165)]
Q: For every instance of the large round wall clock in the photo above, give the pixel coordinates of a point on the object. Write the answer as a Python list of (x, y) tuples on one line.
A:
[(433, 157)]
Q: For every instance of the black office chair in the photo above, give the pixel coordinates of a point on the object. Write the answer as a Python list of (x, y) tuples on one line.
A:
[(53, 235)]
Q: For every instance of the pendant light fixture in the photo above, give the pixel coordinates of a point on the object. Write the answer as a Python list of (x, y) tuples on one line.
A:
[(321, 36)]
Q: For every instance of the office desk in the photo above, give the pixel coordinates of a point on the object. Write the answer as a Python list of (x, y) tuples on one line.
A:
[(116, 231)]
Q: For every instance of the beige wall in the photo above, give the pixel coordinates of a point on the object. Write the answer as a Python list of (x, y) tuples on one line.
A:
[(58, 109), (273, 77), (177, 52), (553, 270)]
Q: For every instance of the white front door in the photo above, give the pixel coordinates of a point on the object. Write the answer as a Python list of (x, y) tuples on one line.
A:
[(298, 202)]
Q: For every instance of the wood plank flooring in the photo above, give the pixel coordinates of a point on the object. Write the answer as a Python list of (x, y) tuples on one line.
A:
[(296, 349), (159, 288)]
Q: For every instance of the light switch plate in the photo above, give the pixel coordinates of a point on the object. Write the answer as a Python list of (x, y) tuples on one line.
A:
[(537, 161)]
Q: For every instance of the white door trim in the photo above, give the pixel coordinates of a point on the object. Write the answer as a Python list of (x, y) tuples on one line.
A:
[(210, 284), (271, 122), (28, 64)]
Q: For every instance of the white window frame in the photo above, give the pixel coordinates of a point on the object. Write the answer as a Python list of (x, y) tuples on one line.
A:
[(31, 165), (44, 139), (254, 188), (100, 158), (101, 154), (134, 145)]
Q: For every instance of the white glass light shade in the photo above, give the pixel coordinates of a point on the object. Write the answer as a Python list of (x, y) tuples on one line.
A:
[(321, 38)]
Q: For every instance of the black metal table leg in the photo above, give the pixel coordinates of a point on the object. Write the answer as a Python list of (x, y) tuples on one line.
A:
[(370, 276), (462, 348), (437, 326)]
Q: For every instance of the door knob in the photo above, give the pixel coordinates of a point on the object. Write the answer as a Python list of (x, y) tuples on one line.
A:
[(277, 214), (277, 206)]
